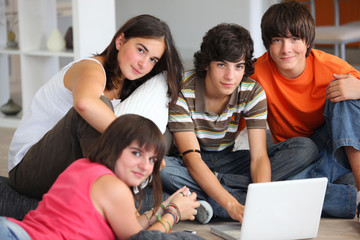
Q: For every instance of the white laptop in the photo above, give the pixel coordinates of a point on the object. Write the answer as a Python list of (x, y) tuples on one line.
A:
[(279, 210)]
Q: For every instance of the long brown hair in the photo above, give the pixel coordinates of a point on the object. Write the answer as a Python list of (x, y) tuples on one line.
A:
[(145, 26), (120, 134)]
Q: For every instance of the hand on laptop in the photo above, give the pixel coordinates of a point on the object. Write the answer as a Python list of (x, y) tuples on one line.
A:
[(236, 210)]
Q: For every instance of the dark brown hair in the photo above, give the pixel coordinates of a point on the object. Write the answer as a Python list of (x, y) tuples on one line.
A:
[(145, 26), (121, 133), (285, 20), (225, 42)]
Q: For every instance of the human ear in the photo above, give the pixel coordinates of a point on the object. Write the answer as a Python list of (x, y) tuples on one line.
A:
[(120, 41)]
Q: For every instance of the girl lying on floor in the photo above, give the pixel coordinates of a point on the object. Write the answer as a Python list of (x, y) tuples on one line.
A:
[(94, 197)]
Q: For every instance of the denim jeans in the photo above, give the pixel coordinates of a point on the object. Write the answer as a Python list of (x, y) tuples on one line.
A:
[(10, 230), (341, 128), (233, 169)]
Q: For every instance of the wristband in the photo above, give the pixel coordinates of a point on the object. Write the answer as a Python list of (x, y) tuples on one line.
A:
[(169, 211), (189, 151)]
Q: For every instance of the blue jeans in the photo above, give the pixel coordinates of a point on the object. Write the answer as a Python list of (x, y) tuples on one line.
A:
[(341, 128), (10, 230), (233, 169)]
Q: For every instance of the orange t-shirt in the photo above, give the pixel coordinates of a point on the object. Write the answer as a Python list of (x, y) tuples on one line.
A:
[(296, 106)]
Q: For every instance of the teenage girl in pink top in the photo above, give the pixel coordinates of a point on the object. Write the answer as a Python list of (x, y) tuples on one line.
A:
[(94, 197)]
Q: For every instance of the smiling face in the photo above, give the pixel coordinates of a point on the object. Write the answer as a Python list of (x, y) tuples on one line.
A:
[(223, 77), (137, 56), (135, 164), (289, 54)]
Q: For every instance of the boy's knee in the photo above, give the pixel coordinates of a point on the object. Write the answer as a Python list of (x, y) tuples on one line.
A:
[(310, 150), (304, 142), (345, 108)]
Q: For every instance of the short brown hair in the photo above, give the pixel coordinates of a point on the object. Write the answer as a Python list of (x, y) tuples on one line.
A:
[(288, 19), (225, 42)]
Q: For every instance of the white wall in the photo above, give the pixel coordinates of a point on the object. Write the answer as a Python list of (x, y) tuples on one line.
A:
[(190, 19)]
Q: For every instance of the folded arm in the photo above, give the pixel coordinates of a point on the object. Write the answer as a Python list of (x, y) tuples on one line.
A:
[(86, 79), (344, 87)]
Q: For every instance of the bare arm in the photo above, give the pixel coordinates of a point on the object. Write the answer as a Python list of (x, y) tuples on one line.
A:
[(345, 87), (146, 219), (86, 80), (260, 164), (114, 201), (204, 177)]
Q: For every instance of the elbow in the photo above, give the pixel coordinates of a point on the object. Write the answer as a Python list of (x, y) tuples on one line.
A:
[(82, 105)]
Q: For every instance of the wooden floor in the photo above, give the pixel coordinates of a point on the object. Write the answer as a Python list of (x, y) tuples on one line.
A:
[(330, 229)]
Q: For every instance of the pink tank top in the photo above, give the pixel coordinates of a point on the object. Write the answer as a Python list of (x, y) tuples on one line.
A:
[(66, 211)]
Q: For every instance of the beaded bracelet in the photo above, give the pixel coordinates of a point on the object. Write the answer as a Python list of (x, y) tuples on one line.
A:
[(163, 207), (177, 209), (189, 151), (172, 214), (173, 209)]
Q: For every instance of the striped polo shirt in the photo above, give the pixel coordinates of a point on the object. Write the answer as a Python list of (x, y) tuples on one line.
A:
[(217, 132)]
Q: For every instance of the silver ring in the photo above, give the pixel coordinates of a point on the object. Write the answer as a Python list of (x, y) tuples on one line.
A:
[(182, 194), (195, 212)]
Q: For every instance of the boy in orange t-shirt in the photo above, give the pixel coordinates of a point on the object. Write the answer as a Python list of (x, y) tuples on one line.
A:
[(313, 94)]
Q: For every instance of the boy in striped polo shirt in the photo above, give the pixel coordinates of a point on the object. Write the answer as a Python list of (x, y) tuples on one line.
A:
[(204, 125)]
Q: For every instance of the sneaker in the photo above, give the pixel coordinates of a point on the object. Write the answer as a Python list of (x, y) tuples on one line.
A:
[(204, 212)]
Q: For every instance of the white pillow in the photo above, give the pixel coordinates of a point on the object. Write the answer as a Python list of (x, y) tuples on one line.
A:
[(149, 100)]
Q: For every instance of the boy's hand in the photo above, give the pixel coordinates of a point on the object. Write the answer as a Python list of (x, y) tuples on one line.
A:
[(236, 211), (344, 87)]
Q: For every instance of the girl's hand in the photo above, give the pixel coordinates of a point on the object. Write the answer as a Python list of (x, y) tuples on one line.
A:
[(186, 205), (185, 190)]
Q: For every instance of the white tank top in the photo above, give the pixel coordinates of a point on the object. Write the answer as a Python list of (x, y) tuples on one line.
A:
[(50, 103)]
